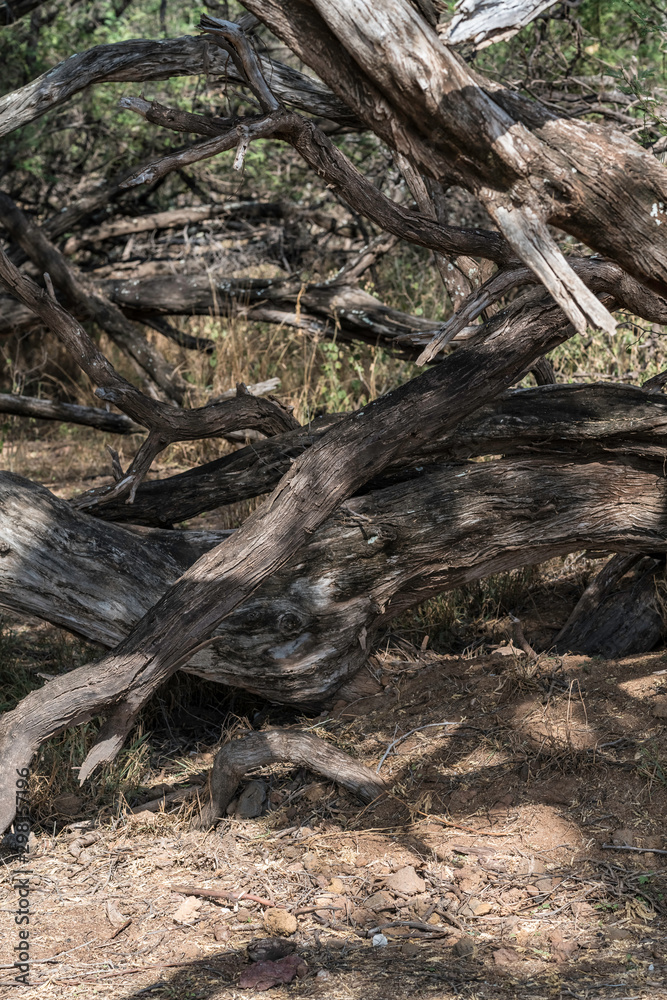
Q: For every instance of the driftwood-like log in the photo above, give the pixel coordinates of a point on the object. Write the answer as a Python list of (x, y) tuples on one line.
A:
[(363, 444), (284, 746), (306, 630), (619, 613), (566, 420)]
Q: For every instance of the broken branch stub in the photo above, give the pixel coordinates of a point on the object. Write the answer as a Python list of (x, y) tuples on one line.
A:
[(284, 746)]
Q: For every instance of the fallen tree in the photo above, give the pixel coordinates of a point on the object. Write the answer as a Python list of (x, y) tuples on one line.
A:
[(308, 629), (353, 531)]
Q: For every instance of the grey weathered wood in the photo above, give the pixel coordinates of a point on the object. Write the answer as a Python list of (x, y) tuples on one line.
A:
[(566, 420), (483, 22), (306, 629), (389, 66), (140, 60), (278, 746), (619, 612)]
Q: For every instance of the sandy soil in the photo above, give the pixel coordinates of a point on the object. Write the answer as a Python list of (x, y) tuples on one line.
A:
[(498, 866)]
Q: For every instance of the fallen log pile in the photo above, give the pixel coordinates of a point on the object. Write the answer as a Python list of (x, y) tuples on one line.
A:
[(368, 513)]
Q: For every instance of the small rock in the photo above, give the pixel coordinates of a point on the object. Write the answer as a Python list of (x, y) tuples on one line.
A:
[(379, 941), (323, 974), (618, 933), (336, 886), (380, 901), (506, 956), (221, 931), (263, 975), (279, 921), (269, 949), (469, 909), (406, 881), (251, 800), (114, 915), (311, 862), (623, 838), (244, 916), (67, 804), (532, 890), (464, 947), (187, 911), (481, 909)]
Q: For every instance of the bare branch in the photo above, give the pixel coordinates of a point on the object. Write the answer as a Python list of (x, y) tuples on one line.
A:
[(90, 301), (235, 41), (71, 413), (165, 423), (483, 22), (284, 746), (231, 139), (137, 61), (336, 170)]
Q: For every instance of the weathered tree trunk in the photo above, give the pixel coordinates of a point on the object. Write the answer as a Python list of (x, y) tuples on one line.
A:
[(307, 629), (573, 420), (619, 613)]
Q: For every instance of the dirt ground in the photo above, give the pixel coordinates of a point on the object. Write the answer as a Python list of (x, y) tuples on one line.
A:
[(521, 851), (485, 869)]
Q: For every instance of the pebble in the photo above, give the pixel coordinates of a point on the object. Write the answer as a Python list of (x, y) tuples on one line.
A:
[(379, 941), (251, 800), (405, 881), (279, 921), (464, 947)]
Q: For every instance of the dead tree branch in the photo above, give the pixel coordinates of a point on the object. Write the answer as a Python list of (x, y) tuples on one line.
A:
[(140, 60), (284, 746), (578, 421), (80, 290), (164, 423), (307, 629), (336, 169), (362, 445), (461, 128), (69, 413)]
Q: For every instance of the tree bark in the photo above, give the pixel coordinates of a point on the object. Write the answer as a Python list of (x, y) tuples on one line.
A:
[(141, 60), (307, 629), (620, 612), (389, 66), (578, 421)]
